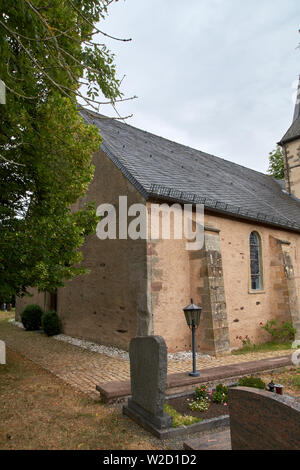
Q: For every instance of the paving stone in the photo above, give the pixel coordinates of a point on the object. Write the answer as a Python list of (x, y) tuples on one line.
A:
[(84, 369), (210, 441)]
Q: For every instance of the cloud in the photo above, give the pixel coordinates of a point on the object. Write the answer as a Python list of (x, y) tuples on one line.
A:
[(216, 75)]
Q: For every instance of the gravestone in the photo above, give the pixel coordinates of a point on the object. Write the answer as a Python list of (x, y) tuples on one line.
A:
[(2, 352), (148, 373), (261, 420)]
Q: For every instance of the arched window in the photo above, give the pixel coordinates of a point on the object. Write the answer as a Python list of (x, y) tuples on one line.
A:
[(255, 261)]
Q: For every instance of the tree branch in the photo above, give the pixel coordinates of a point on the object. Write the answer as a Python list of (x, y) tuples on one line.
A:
[(94, 27)]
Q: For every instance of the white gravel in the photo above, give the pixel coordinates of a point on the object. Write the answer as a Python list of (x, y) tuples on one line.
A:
[(98, 348), (115, 352), (16, 323), (186, 356)]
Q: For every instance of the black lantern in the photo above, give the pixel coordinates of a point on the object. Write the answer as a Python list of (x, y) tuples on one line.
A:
[(192, 315), (271, 386)]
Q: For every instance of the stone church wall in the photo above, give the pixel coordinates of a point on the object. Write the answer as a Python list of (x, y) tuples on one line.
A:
[(140, 287), (218, 279), (109, 304), (246, 308)]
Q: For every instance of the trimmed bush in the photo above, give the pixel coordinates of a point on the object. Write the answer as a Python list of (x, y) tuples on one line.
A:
[(255, 382), (31, 317), (221, 394), (51, 323)]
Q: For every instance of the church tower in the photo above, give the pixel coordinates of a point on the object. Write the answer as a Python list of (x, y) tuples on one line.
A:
[(290, 144)]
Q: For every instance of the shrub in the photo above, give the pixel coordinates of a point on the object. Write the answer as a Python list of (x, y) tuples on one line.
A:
[(255, 382), (31, 317), (283, 333), (51, 323), (221, 394), (201, 393)]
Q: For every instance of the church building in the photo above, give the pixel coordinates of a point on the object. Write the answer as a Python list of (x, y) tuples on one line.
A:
[(246, 272)]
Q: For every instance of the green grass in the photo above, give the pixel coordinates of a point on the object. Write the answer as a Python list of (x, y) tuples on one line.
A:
[(39, 411), (264, 347), (251, 381), (178, 419), (5, 315), (292, 379), (295, 381)]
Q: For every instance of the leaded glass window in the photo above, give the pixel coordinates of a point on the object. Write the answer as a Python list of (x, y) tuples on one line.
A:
[(255, 261)]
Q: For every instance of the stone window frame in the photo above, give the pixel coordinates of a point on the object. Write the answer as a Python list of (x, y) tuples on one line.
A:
[(261, 289)]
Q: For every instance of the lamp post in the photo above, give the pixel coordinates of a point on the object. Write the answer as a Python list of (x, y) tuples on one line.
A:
[(192, 315)]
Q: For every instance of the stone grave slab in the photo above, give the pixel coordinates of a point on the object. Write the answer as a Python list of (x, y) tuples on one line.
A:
[(148, 372)]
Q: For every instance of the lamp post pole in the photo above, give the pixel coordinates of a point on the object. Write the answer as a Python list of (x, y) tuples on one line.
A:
[(194, 373)]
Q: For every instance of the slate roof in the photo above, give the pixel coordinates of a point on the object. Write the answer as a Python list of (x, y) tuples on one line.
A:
[(292, 133), (160, 168)]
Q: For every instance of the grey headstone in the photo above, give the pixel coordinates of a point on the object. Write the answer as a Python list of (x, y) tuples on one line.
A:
[(2, 352), (148, 372)]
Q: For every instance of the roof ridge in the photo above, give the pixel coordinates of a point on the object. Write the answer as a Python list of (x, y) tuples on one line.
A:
[(201, 152), (159, 167)]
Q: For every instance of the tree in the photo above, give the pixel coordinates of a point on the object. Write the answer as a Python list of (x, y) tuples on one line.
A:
[(47, 52), (276, 164)]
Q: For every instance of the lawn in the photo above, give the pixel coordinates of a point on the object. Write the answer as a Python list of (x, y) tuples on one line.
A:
[(264, 347), (5, 315), (39, 411), (288, 377)]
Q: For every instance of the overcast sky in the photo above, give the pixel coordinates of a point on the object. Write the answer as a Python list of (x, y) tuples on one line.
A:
[(216, 75)]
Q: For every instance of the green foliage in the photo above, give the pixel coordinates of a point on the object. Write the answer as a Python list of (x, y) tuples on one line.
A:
[(276, 164), (295, 381), (200, 404), (221, 394), (45, 147), (201, 392), (255, 382), (280, 333), (51, 323), (31, 317), (178, 419), (246, 342), (269, 346)]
